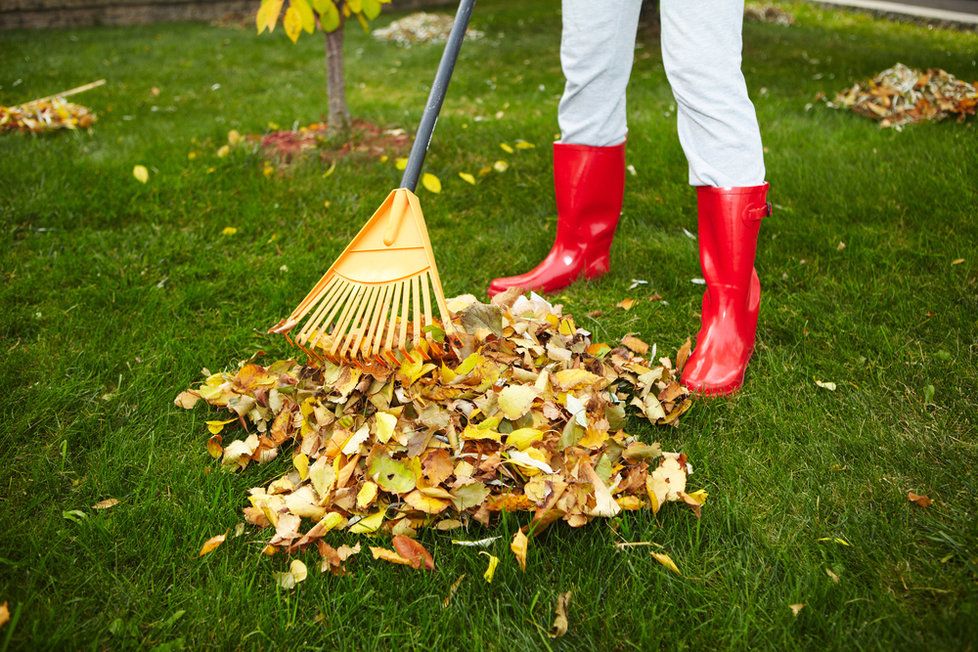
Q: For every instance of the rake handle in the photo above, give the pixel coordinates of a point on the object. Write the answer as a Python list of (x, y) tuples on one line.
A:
[(437, 96)]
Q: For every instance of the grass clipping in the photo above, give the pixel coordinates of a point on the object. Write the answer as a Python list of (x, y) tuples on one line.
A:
[(526, 414)]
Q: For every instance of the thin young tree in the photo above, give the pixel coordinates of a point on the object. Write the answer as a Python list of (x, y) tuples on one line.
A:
[(330, 17)]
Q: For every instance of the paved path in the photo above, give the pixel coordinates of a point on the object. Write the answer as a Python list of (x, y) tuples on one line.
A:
[(952, 11)]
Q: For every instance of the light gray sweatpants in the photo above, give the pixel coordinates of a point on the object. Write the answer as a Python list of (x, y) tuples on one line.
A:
[(701, 52)]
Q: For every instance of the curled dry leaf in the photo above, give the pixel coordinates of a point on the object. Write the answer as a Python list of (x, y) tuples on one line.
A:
[(452, 589), (491, 568), (297, 573), (518, 546), (666, 561), (211, 544), (106, 504), (921, 500), (796, 608), (559, 628), (4, 613)]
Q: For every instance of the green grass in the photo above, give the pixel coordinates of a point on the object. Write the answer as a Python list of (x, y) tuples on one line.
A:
[(115, 294)]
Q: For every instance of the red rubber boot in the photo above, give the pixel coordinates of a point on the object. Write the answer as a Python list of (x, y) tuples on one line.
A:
[(589, 183), (729, 222)]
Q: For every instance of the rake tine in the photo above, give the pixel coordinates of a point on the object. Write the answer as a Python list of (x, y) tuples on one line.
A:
[(405, 312), (342, 297), (356, 326), (425, 294), (376, 332), (392, 325), (325, 301), (370, 322), (417, 311), (340, 327)]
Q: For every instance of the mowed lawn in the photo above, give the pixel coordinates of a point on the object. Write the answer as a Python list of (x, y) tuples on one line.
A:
[(115, 294)]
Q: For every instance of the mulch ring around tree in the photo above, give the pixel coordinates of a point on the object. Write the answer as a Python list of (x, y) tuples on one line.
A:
[(364, 138)]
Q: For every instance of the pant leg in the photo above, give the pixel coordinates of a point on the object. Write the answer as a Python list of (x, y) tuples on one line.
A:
[(597, 47), (701, 52)]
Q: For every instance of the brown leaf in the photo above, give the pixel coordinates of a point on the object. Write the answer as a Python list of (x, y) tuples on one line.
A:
[(186, 399), (635, 344), (414, 552), (560, 625), (452, 589), (518, 546), (920, 500), (105, 504), (4, 613), (626, 303), (682, 355)]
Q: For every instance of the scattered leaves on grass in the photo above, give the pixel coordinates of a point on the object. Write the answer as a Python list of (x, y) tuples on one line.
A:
[(229, 230), (506, 147), (431, 182), (626, 303), (211, 544), (836, 540), (559, 627), (140, 173), (826, 385), (215, 427), (106, 504), (467, 178), (796, 608), (480, 543), (500, 166), (452, 589), (666, 561), (921, 500), (297, 573), (523, 412), (4, 613), (491, 568), (957, 261), (832, 576)]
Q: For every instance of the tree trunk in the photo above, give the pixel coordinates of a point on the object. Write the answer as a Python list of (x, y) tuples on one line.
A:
[(339, 112)]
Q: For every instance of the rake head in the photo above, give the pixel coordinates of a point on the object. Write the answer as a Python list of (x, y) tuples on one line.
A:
[(373, 306)]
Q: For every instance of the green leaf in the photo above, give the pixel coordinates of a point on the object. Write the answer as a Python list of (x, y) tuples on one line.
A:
[(371, 8), (329, 15), (393, 476)]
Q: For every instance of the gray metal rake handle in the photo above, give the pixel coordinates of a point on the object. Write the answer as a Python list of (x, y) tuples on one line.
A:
[(437, 96)]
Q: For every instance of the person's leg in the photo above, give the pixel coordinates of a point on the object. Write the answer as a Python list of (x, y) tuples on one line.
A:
[(701, 52), (596, 53)]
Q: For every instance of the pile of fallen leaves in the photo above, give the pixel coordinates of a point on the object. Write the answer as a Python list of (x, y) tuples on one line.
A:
[(422, 27), (902, 95), (768, 14), (524, 413), (46, 115)]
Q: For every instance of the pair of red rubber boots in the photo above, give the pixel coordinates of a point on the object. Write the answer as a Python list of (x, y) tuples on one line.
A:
[(589, 184)]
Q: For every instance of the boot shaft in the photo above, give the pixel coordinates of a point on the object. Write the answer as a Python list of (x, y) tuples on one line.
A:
[(589, 183), (729, 220)]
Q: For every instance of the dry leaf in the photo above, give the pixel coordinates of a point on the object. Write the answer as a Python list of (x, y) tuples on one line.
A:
[(826, 385), (211, 544), (683, 354), (920, 500), (4, 613), (796, 608), (452, 589), (431, 182), (518, 546), (491, 568), (414, 552), (666, 561), (626, 303), (141, 173), (559, 628), (467, 178), (297, 573), (105, 504), (500, 166), (635, 344)]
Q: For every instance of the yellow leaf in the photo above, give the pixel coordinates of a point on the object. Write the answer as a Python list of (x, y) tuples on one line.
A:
[(491, 569), (229, 230), (560, 625), (626, 304), (426, 504), (467, 178), (384, 424), (531, 460), (267, 15), (297, 573), (234, 137), (211, 544), (515, 400), (522, 144), (523, 437), (366, 495), (666, 561), (105, 504), (292, 23), (223, 151), (400, 163), (141, 173), (301, 464), (308, 21), (506, 147), (389, 556), (574, 378), (796, 608), (431, 182), (500, 166), (518, 546), (215, 427), (4, 613), (368, 524)]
